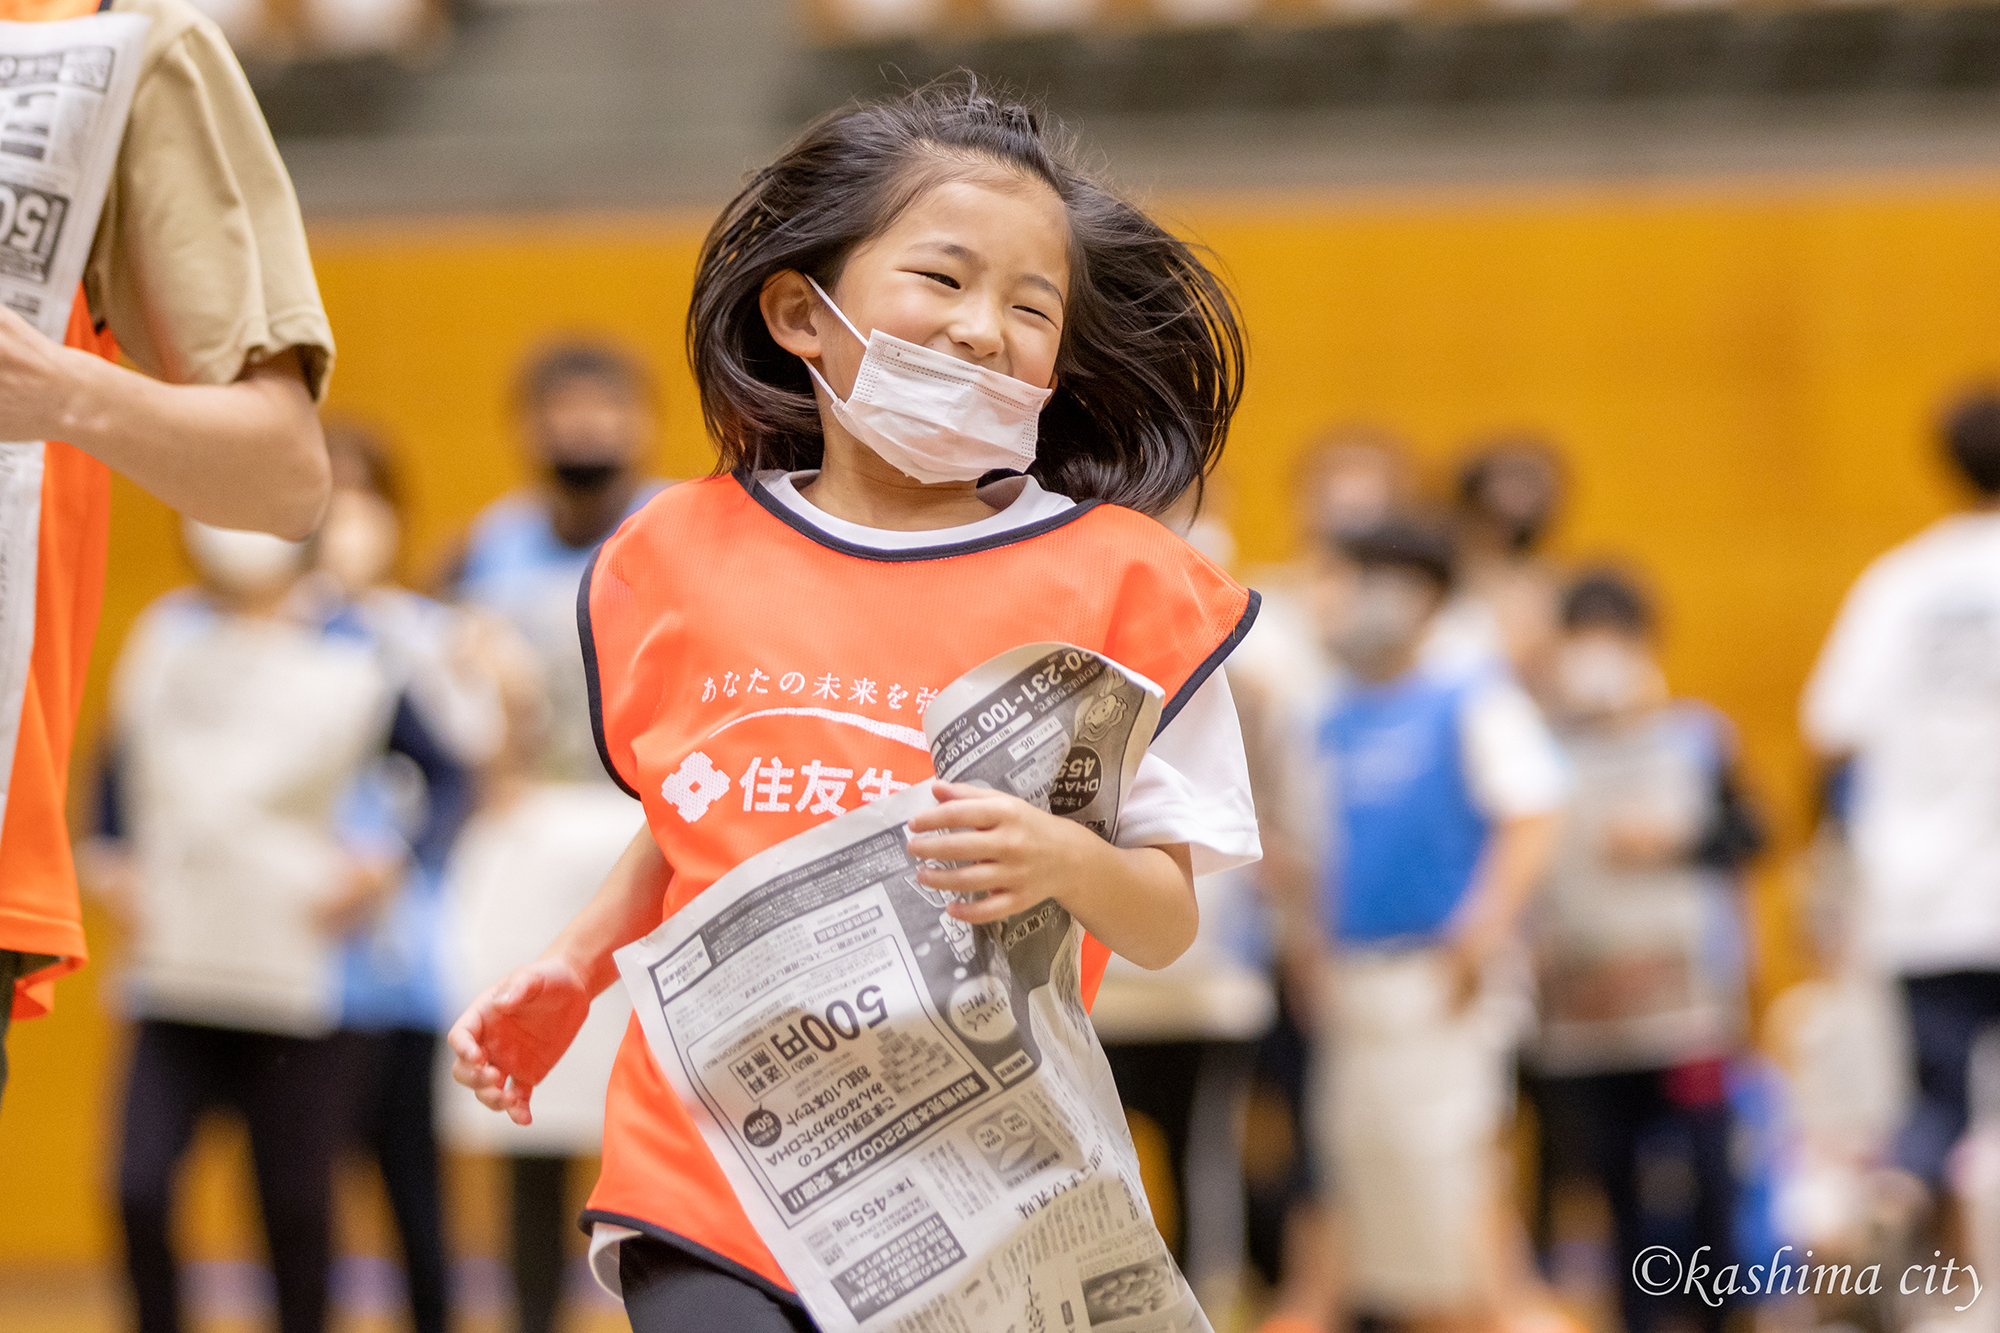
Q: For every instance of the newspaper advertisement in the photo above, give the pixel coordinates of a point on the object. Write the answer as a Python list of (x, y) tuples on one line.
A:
[(912, 1109), (65, 90)]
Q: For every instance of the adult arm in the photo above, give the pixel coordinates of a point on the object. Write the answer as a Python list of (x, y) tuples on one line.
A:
[(513, 1034), (241, 455)]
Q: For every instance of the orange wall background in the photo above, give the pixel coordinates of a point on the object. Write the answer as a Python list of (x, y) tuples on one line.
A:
[(1742, 378)]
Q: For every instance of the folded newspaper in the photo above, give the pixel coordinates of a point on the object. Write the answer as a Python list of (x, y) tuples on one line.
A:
[(65, 92), (914, 1110)]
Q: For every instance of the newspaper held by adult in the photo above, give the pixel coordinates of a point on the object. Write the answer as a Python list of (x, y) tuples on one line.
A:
[(913, 1109), (65, 91)]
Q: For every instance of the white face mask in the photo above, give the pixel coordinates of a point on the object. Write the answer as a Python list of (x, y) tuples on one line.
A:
[(1596, 678), (934, 417), (244, 563), (1385, 618)]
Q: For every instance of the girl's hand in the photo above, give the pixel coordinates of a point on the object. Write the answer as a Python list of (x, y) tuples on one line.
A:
[(513, 1035), (1019, 856)]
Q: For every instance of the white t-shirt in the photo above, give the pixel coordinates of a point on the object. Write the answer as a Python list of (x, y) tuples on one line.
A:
[(1909, 682), (1194, 784)]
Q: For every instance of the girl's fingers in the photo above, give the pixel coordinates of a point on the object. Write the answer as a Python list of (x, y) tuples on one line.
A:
[(464, 1035), (994, 907), (957, 847), (981, 878), (971, 813)]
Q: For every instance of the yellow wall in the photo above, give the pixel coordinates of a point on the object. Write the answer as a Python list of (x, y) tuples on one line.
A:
[(1742, 378)]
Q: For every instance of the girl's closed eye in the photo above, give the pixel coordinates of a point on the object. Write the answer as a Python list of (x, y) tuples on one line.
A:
[(944, 278)]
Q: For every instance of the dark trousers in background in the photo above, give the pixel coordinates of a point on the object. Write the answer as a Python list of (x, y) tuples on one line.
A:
[(1947, 1014), (392, 1076), (1193, 1092), (289, 1092), (1669, 1127), (13, 966), (542, 1226)]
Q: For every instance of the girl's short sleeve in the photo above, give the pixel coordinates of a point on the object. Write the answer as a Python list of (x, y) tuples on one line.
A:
[(1194, 786)]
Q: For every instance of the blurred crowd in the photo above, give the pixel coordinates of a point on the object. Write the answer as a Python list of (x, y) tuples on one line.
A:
[(1472, 1046)]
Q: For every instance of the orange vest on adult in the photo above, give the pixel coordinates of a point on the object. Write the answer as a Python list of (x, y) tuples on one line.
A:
[(752, 676), (39, 913)]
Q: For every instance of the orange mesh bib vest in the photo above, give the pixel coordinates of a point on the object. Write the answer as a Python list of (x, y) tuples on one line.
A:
[(39, 913), (752, 677)]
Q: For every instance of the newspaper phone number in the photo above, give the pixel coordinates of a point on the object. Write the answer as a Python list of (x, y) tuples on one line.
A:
[(1054, 682)]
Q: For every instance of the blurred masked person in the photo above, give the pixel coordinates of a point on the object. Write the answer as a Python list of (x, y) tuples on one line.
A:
[(1908, 684), (1181, 1039), (1638, 943), (1505, 595), (551, 824), (1438, 796), (394, 1001), (199, 275), (245, 715)]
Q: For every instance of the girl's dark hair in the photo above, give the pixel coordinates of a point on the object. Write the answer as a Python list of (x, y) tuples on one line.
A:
[(1151, 363)]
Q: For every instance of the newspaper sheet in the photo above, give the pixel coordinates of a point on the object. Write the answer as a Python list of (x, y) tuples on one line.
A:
[(65, 90), (913, 1110)]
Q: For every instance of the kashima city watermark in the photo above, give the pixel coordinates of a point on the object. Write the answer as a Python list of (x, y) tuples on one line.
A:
[(1659, 1270)]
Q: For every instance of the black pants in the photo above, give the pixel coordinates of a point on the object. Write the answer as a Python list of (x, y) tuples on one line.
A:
[(1605, 1130), (289, 1091), (1947, 1014), (391, 1073), (668, 1290)]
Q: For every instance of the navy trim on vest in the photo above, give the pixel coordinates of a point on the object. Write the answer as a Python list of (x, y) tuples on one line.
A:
[(590, 681), (1211, 662), (652, 1231), (915, 553)]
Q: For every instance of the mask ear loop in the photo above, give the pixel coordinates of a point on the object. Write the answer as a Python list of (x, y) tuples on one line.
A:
[(835, 309)]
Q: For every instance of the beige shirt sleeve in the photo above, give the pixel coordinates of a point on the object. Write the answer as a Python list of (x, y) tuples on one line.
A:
[(200, 263)]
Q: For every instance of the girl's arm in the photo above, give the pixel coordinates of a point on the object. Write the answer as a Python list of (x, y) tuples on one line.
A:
[(513, 1035), (1138, 900)]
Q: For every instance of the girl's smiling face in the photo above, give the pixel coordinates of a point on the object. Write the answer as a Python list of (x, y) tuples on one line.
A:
[(974, 268)]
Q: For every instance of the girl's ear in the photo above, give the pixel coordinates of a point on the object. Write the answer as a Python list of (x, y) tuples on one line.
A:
[(790, 313)]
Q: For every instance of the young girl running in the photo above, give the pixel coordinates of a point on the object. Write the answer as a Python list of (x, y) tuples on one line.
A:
[(914, 297)]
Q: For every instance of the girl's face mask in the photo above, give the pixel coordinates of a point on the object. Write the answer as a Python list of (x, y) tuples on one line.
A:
[(931, 416)]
